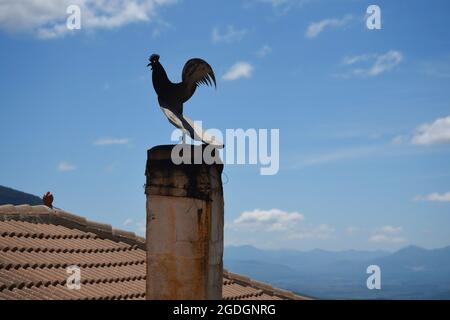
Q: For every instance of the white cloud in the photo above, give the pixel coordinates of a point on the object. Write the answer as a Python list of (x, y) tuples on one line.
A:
[(437, 132), (47, 18), (274, 219), (275, 227), (388, 234), (238, 70), (356, 59), (230, 35), (384, 62), (283, 6), (434, 197), (386, 238), (418, 268), (379, 64), (65, 166), (264, 51), (391, 229), (127, 222), (136, 226), (315, 28), (111, 141)]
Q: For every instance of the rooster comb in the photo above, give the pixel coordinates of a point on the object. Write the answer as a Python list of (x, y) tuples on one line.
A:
[(154, 57)]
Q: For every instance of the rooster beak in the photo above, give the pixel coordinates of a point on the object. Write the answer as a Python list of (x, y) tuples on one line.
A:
[(149, 64)]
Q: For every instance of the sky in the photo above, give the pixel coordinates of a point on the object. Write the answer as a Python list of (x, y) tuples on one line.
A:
[(363, 115)]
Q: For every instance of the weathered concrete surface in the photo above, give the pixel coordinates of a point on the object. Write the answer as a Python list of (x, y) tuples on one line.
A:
[(185, 216)]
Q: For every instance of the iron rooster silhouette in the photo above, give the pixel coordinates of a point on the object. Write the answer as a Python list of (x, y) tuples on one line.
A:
[(172, 96)]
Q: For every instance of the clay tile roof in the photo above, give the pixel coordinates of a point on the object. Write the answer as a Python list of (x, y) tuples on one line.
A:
[(37, 244)]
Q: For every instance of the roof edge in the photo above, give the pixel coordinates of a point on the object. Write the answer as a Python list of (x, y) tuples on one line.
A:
[(265, 287), (70, 220)]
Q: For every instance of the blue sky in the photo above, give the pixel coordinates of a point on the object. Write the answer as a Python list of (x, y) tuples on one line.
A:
[(363, 114)]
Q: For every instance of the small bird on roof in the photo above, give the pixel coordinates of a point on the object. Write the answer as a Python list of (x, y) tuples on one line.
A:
[(172, 96), (48, 199)]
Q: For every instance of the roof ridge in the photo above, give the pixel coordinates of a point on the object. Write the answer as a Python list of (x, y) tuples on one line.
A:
[(70, 220), (263, 286)]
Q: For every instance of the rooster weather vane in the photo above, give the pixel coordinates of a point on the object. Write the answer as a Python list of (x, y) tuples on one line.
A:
[(171, 96)]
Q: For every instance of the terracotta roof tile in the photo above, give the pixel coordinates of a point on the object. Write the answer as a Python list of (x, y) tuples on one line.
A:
[(37, 244)]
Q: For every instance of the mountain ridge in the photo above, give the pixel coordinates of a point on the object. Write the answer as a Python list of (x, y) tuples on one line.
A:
[(16, 197), (412, 272)]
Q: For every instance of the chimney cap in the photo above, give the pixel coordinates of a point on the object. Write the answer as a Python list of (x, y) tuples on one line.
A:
[(166, 178)]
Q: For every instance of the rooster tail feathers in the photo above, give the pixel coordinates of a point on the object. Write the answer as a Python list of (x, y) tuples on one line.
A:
[(196, 72)]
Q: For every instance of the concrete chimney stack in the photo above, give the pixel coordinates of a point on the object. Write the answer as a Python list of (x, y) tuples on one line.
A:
[(185, 216)]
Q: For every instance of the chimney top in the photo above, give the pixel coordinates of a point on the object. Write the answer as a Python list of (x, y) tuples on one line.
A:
[(164, 177)]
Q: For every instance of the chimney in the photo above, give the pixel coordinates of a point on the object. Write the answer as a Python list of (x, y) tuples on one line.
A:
[(185, 215)]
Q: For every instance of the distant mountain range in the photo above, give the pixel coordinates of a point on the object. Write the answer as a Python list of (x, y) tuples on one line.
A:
[(410, 273), (11, 196)]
